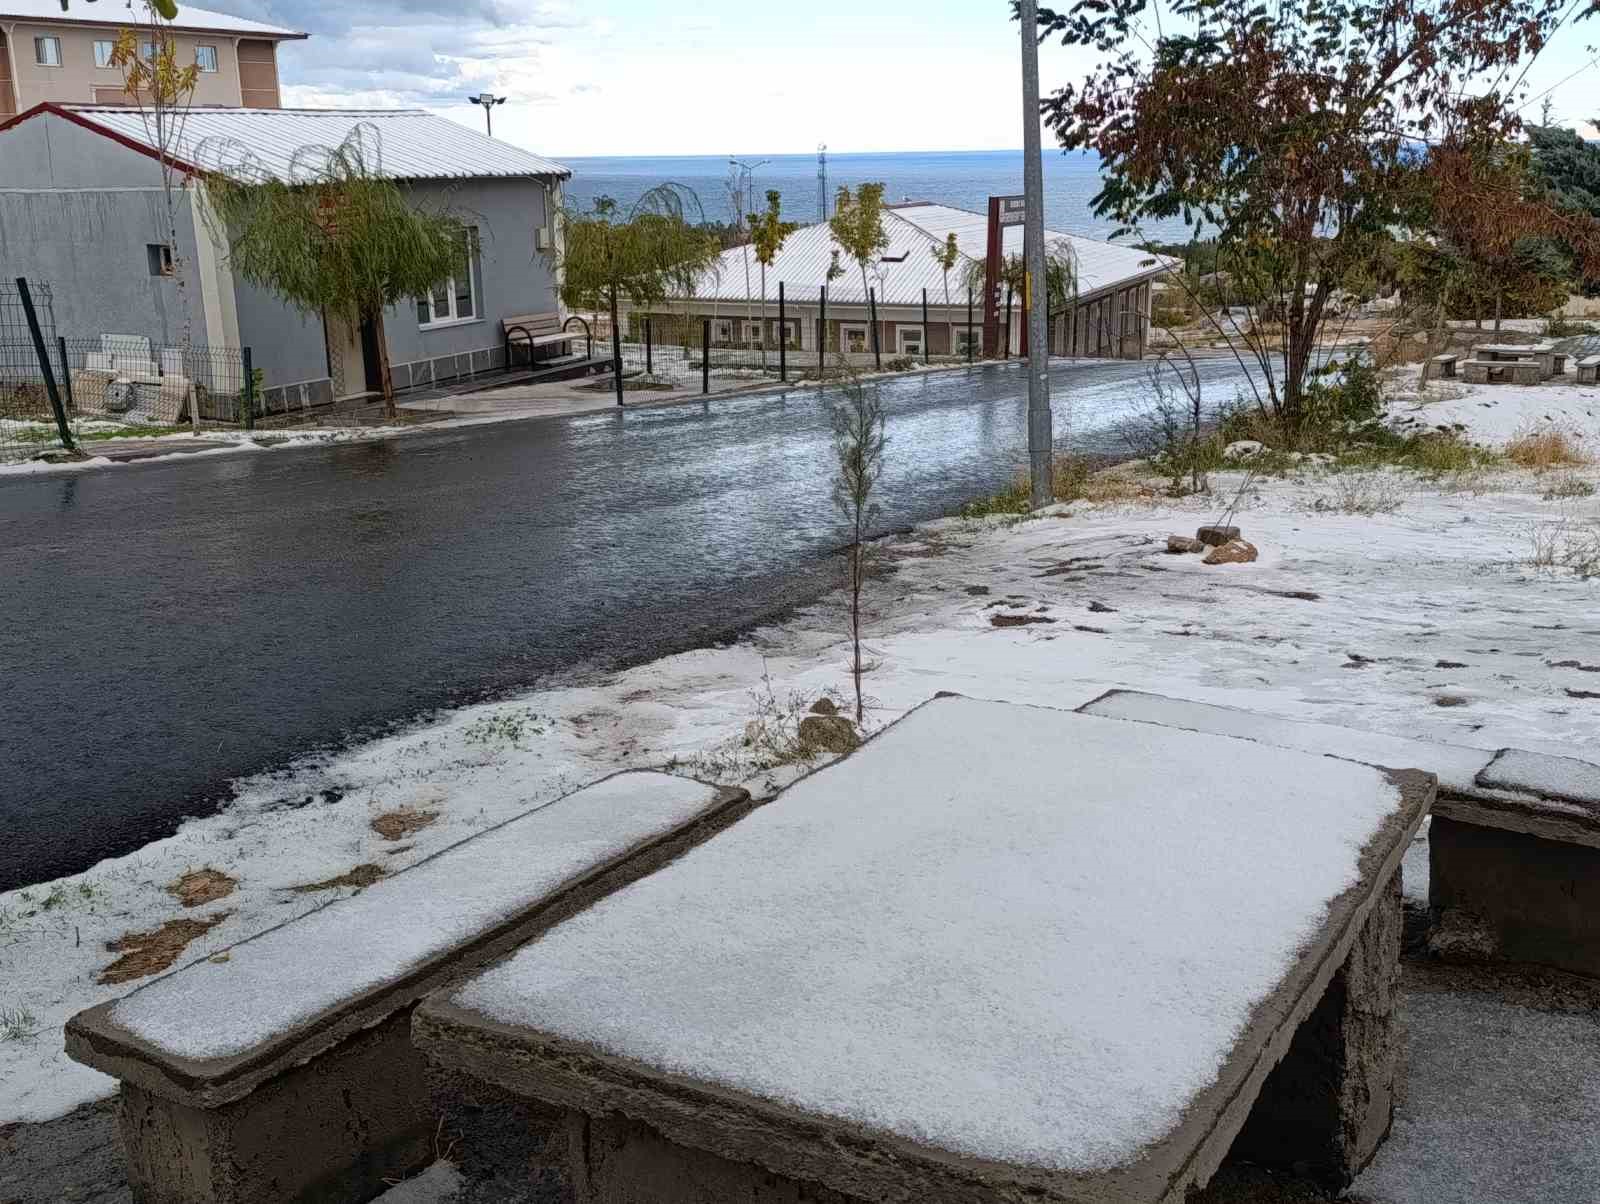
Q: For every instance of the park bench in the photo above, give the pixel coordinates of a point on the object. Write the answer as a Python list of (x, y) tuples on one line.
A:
[(535, 331), (1516, 372), (1445, 365), (282, 1069), (1550, 361), (998, 953), (1513, 845), (1588, 368)]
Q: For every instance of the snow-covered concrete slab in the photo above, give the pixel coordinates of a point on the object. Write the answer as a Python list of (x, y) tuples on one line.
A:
[(213, 1030), (999, 945), (1565, 779)]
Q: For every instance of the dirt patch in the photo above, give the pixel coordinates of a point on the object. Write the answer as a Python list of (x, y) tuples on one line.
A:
[(361, 876), (146, 953), (199, 887), (397, 825), (1017, 620)]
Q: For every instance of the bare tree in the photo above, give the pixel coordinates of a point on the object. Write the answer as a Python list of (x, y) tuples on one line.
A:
[(858, 443)]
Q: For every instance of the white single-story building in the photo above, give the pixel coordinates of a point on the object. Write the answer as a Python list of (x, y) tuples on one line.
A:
[(1108, 316)]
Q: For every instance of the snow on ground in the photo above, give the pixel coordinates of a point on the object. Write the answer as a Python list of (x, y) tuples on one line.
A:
[(232, 442), (1428, 621), (999, 956), (1495, 414)]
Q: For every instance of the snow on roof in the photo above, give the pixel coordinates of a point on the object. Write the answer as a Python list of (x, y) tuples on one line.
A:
[(906, 266), (296, 971), (107, 12), (410, 144), (1009, 932)]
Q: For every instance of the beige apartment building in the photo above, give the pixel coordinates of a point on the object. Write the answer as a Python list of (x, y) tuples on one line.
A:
[(47, 55)]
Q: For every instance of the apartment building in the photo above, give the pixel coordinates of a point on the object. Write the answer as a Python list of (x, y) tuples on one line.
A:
[(51, 56)]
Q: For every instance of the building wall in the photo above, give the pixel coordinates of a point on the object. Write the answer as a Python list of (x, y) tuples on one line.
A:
[(77, 78), (77, 212), (511, 279), (8, 94)]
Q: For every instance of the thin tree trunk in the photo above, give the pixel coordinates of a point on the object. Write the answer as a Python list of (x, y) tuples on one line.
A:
[(855, 614), (764, 318), (1498, 298), (381, 338)]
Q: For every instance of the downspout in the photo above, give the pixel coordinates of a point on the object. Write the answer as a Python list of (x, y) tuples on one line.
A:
[(11, 58)]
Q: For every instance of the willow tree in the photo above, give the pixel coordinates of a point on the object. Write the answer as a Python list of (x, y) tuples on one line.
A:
[(768, 231), (947, 254), (338, 236), (1060, 278), (651, 252), (1289, 131)]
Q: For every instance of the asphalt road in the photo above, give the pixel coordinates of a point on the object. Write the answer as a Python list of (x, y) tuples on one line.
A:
[(166, 628)]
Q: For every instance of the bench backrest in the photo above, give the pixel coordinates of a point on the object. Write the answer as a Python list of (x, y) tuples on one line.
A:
[(534, 324), (211, 1032)]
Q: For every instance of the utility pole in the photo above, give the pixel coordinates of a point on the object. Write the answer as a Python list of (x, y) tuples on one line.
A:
[(1041, 444), (488, 100)]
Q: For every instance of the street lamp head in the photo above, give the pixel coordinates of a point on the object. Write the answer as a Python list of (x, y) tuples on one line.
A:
[(486, 99)]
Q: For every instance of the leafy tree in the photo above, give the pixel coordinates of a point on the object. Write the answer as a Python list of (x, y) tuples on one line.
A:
[(1569, 168), (339, 236), (162, 89), (1289, 130), (857, 226), (947, 254), (858, 443), (646, 255), (768, 231)]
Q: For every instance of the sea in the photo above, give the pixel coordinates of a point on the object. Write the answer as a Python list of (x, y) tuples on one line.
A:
[(963, 179)]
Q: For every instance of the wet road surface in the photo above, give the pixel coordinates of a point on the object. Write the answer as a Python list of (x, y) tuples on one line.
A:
[(166, 628)]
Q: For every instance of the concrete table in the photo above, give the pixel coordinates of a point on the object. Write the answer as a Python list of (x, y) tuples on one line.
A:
[(1000, 953), (1551, 362)]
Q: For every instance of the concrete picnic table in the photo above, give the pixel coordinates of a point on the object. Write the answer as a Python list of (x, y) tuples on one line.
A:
[(999, 953), (1551, 362)]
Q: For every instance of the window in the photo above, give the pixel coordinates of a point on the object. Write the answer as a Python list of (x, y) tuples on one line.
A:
[(102, 53), (454, 299), (908, 340), (47, 52), (967, 338), (854, 340), (791, 333), (205, 58), (159, 256), (722, 333), (752, 334)]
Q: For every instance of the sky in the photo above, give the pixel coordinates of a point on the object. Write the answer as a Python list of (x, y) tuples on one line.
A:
[(640, 77)]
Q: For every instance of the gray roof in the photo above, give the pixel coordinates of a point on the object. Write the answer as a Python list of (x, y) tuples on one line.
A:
[(110, 12), (913, 229), (404, 144)]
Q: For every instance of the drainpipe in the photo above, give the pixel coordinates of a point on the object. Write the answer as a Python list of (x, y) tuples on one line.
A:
[(11, 58)]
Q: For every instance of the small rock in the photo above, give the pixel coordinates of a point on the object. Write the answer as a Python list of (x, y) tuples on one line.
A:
[(1242, 449), (978, 591), (829, 733), (1460, 936), (1215, 537), (1235, 551), (824, 706), (1100, 608), (1178, 544)]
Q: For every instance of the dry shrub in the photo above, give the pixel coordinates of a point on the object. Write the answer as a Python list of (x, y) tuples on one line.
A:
[(1564, 544), (396, 825), (199, 887), (362, 876), (1544, 448), (146, 953), (1365, 493)]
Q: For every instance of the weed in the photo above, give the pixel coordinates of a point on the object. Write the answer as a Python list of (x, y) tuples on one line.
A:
[(1568, 487), (1365, 493), (1563, 544), (1071, 480), (17, 1024), (506, 727), (771, 738), (1441, 454), (1544, 448)]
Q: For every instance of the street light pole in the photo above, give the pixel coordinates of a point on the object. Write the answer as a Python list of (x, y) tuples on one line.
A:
[(488, 100), (747, 171), (1041, 447)]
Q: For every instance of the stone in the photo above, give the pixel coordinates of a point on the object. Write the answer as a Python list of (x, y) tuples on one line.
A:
[(1235, 551), (829, 733), (824, 706), (1242, 449), (1215, 537), (1179, 544)]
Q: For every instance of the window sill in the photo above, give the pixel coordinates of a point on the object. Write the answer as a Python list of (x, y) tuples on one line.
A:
[(447, 324)]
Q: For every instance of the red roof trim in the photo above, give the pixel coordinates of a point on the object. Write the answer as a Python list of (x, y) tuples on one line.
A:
[(56, 110)]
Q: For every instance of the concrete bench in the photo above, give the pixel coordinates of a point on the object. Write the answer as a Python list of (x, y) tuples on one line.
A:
[(1588, 369), (1513, 846), (999, 953), (1517, 372), (1444, 365), (283, 1070)]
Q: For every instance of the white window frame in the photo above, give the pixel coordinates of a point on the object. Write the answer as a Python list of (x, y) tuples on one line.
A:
[(110, 48), (846, 329), (39, 43), (752, 332), (215, 60), (791, 334), (959, 338), (722, 331), (474, 271), (921, 340)]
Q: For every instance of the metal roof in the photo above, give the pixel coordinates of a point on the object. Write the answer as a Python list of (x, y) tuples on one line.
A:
[(109, 12), (404, 144), (907, 265)]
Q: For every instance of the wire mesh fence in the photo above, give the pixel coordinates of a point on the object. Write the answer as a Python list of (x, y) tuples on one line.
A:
[(29, 422)]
